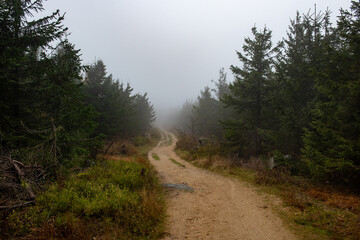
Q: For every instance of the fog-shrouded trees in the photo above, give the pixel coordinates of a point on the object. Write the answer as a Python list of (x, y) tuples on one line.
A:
[(249, 91), (144, 115), (43, 115), (49, 116), (299, 98), (120, 112), (203, 117), (204, 113), (184, 118)]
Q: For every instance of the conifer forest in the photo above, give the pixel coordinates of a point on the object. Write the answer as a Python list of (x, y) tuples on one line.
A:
[(83, 152)]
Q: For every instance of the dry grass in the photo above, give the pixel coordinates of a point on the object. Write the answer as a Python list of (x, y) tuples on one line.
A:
[(186, 143), (336, 198), (120, 147), (221, 163), (69, 230), (254, 163), (274, 177), (116, 157), (331, 211), (320, 212)]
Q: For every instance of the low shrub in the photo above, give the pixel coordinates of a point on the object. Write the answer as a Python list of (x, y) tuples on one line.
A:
[(140, 141), (273, 177), (120, 147), (116, 195), (186, 143)]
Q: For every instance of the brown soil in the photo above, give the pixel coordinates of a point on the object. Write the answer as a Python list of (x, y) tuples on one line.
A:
[(218, 208)]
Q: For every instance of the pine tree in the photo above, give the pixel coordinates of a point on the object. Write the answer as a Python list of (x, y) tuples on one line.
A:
[(248, 90), (332, 143), (111, 99), (222, 113), (121, 113), (206, 121), (184, 120), (296, 78), (144, 115), (20, 40), (43, 115), (222, 86)]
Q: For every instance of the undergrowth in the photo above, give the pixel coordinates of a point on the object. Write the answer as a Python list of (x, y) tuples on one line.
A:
[(114, 199), (315, 212)]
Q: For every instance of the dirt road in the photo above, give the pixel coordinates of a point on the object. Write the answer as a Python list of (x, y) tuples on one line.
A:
[(217, 208)]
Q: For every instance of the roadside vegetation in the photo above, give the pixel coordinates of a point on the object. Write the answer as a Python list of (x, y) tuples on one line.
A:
[(119, 197), (296, 101), (289, 121), (73, 140), (313, 210)]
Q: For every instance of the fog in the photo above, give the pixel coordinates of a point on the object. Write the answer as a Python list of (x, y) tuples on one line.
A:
[(171, 49)]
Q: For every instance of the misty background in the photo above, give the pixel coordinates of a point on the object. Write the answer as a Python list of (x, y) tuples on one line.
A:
[(171, 49)]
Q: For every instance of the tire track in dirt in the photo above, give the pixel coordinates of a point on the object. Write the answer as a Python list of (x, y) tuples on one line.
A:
[(218, 208)]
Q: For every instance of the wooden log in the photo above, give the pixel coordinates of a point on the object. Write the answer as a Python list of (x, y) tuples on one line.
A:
[(17, 205)]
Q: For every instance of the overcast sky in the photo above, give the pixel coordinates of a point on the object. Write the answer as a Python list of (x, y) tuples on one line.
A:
[(172, 49)]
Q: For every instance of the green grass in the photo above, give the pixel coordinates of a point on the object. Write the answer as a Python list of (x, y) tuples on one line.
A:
[(155, 156), (176, 162), (114, 199)]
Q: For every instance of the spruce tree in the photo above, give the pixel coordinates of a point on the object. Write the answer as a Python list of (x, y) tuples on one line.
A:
[(43, 118), (111, 99), (248, 90), (295, 79), (144, 115), (206, 121), (332, 143), (20, 64)]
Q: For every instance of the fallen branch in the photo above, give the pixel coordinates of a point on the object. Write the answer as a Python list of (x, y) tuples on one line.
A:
[(108, 147), (19, 163), (22, 178), (17, 205)]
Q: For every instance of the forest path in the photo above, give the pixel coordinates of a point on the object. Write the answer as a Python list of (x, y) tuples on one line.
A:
[(217, 208)]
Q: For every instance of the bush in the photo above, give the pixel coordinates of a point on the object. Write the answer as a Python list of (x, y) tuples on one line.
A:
[(273, 177), (296, 165), (186, 143), (120, 147), (141, 141)]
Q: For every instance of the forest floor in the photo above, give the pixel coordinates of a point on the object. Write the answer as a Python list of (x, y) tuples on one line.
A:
[(205, 205)]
